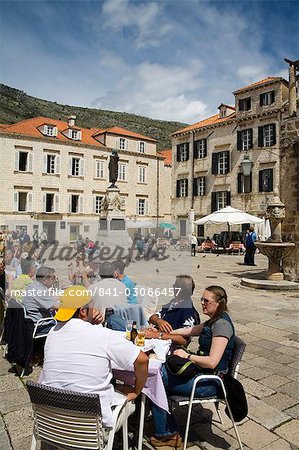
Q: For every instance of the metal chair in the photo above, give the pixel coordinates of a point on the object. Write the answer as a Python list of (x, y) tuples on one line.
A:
[(72, 420), (233, 370)]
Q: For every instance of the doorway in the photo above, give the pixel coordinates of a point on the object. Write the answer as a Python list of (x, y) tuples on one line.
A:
[(50, 229)]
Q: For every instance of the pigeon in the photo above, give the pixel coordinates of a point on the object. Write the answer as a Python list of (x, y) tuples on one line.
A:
[(179, 255), (198, 266), (218, 254), (204, 256), (173, 259), (157, 271)]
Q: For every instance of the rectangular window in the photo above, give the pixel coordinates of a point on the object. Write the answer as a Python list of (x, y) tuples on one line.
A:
[(141, 206), (122, 144), (200, 149), (141, 174), (183, 152), (99, 169), (122, 172), (220, 163), (244, 139), (141, 147), (49, 203), (245, 104), (220, 200), (50, 130), (182, 187), (22, 205), (51, 163), (267, 98), (75, 134), (23, 158), (266, 180), (267, 135), (98, 201), (199, 186), (74, 206), (75, 167), (244, 183)]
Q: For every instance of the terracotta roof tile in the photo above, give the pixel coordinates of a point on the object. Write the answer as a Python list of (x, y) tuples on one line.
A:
[(167, 154), (123, 132), (257, 83), (203, 123)]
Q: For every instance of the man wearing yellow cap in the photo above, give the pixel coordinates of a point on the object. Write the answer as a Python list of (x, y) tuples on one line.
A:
[(78, 354)]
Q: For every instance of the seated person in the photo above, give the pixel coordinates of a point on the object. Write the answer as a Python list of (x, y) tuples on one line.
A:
[(78, 355), (39, 300), (180, 311), (208, 244), (119, 267), (20, 284), (216, 342)]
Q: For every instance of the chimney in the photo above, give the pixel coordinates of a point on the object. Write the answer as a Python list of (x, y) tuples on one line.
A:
[(71, 120), (293, 68)]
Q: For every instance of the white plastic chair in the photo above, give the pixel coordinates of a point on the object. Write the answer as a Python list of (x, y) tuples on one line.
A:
[(67, 419), (237, 354)]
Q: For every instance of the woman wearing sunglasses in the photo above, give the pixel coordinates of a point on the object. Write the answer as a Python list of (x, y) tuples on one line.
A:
[(216, 341)]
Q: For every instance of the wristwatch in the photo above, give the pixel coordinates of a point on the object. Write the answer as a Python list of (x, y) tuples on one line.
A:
[(189, 356), (160, 335)]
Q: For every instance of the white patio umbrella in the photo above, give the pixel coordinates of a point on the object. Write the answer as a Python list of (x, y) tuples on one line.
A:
[(229, 215), (140, 224)]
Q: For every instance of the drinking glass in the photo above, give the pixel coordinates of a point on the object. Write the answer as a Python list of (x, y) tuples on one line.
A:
[(140, 337), (128, 330)]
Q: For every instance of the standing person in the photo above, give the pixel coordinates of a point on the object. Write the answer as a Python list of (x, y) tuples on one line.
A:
[(79, 353), (43, 238), (250, 239), (119, 267), (194, 243), (216, 342)]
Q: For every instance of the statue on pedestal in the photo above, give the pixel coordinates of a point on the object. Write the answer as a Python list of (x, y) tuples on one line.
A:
[(113, 168)]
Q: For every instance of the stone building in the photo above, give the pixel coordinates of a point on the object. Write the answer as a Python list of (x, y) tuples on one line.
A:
[(54, 176), (208, 156)]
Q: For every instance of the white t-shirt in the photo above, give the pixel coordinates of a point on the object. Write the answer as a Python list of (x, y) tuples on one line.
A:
[(78, 357)]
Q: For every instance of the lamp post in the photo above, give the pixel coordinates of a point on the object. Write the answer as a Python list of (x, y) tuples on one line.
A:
[(246, 165)]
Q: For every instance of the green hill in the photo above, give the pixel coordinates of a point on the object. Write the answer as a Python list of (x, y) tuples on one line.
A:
[(16, 105)]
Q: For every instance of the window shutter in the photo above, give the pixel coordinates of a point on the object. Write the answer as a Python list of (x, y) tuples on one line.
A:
[(240, 176), (272, 96), (81, 170), (70, 203), (228, 161), (270, 180), (187, 152), (214, 164), (94, 200), (228, 198), (261, 136), (261, 99), (137, 206), (29, 202), (239, 140), (17, 158), (204, 185), (195, 187), (30, 162), (214, 202), (251, 137), (261, 181), (79, 135), (250, 182), (16, 201), (57, 164), (56, 203), (178, 153), (44, 201), (45, 163), (186, 187), (70, 165), (205, 147), (195, 150), (241, 107), (146, 207), (274, 133), (81, 204), (178, 185)]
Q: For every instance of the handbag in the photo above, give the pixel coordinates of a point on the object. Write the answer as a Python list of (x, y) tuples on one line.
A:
[(236, 397), (182, 367)]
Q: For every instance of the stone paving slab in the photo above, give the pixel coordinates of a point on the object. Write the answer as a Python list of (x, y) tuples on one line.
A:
[(280, 444), (265, 343), (281, 401), (256, 389), (255, 373), (273, 381), (289, 431), (9, 383), (13, 400), (254, 435), (264, 414), (19, 423), (291, 389), (293, 411)]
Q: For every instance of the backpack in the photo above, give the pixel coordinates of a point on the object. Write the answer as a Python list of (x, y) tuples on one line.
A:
[(182, 367), (249, 241), (236, 397)]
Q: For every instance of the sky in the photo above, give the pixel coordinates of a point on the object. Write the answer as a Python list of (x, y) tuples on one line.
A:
[(169, 59)]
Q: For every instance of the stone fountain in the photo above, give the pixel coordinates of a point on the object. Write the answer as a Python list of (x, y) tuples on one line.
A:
[(274, 248)]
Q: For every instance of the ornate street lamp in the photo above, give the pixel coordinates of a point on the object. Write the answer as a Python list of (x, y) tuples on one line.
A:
[(246, 165)]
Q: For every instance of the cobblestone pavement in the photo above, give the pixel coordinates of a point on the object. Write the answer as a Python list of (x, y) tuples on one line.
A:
[(267, 321)]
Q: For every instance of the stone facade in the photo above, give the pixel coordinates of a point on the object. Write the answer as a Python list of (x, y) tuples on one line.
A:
[(290, 191), (222, 134), (37, 191)]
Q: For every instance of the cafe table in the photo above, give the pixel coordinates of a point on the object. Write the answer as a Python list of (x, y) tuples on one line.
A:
[(154, 387)]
